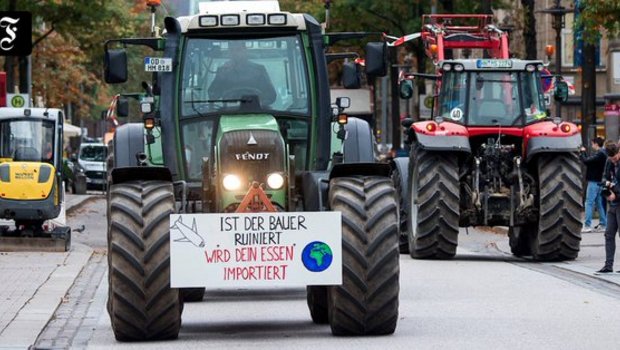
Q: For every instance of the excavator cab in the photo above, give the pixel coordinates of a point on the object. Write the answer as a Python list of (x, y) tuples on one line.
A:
[(31, 187)]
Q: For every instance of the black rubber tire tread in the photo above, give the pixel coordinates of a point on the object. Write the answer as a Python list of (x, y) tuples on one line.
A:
[(79, 186), (367, 301), (401, 198), (316, 297), (142, 306), (193, 295), (437, 219), (520, 239), (559, 226)]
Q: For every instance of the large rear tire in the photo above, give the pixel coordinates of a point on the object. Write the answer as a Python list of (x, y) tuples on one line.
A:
[(403, 205), (141, 304), (560, 193), (367, 301), (434, 204)]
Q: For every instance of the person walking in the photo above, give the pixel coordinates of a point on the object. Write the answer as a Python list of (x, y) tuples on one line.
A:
[(595, 165), (611, 192)]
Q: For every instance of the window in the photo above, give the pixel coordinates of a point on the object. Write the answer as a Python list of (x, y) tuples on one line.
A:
[(27, 140), (228, 75)]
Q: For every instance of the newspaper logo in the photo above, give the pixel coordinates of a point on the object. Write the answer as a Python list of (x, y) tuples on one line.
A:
[(15, 33)]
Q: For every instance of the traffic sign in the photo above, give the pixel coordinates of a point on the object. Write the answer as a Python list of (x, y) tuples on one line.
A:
[(18, 100)]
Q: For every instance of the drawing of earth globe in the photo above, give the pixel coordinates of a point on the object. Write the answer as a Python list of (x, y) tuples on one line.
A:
[(317, 256)]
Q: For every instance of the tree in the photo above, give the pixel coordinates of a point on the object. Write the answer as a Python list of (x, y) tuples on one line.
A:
[(68, 37), (529, 29), (599, 13)]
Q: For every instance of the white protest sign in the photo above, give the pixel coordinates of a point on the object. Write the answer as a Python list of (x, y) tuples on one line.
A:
[(255, 250)]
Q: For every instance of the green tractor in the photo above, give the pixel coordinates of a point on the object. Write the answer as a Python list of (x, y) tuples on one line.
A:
[(247, 175)]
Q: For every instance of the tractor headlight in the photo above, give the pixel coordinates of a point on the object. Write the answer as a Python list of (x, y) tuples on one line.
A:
[(231, 182), (275, 181)]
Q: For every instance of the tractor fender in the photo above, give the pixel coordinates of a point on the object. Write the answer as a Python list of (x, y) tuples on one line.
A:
[(444, 136), (128, 142), (140, 173), (553, 144), (360, 169), (358, 145), (315, 184)]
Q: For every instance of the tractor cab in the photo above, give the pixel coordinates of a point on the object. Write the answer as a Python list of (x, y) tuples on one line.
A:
[(490, 92)]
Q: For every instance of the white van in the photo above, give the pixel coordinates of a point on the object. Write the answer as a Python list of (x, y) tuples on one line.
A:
[(92, 158)]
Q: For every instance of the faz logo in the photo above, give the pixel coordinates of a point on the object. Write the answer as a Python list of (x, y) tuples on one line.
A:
[(15, 33)]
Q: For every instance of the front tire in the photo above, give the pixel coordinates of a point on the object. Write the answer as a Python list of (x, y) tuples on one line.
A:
[(367, 301), (141, 304), (434, 205), (560, 207)]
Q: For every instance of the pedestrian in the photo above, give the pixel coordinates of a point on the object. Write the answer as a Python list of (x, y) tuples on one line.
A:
[(595, 165), (611, 192)]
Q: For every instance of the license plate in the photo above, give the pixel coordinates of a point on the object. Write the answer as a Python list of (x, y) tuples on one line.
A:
[(157, 64), (494, 64)]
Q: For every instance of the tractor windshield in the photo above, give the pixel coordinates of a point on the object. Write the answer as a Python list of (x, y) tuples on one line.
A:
[(27, 140), (492, 98), (243, 75)]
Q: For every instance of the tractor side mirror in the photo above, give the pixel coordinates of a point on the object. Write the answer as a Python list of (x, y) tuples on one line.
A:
[(122, 107), (376, 59), (350, 76), (561, 91), (406, 89), (115, 66)]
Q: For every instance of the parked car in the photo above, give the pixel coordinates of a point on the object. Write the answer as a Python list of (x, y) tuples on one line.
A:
[(92, 159), (73, 176)]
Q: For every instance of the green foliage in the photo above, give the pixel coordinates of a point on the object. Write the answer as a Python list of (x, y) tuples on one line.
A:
[(68, 38), (597, 14)]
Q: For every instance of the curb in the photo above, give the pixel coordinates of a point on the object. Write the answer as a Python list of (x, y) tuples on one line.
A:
[(613, 278), (83, 199)]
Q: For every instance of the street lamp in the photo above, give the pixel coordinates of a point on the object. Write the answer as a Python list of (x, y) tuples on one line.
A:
[(557, 22)]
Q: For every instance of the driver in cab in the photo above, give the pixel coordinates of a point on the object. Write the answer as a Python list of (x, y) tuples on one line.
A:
[(240, 77)]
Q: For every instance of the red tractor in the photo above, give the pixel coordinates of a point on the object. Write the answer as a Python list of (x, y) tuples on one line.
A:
[(491, 155)]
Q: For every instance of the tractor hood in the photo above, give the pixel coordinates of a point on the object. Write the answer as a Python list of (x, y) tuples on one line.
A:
[(247, 122), (250, 148), (250, 144)]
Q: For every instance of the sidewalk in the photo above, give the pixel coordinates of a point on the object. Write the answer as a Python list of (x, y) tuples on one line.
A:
[(591, 256), (33, 284)]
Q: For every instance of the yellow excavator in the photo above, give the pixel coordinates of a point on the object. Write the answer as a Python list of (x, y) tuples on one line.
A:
[(31, 187)]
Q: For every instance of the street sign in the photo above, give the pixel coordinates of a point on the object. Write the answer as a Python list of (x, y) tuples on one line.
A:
[(426, 103), (18, 100)]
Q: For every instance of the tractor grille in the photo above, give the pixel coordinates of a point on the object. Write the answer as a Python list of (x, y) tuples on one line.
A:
[(252, 154), (95, 174)]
